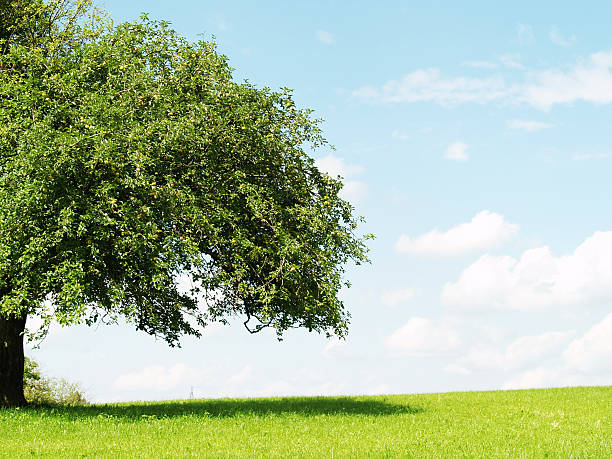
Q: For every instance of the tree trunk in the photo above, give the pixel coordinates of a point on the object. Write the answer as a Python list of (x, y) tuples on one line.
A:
[(11, 361)]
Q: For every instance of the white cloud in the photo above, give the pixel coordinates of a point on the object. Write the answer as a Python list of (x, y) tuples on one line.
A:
[(529, 126), (529, 349), (512, 61), (538, 279), (590, 81), (523, 351), (456, 151), (395, 297), (421, 337), (159, 377), (485, 230), (353, 190), (593, 351), (430, 86), (542, 377), (307, 382), (325, 37), (524, 33), (586, 361), (494, 333), (558, 39)]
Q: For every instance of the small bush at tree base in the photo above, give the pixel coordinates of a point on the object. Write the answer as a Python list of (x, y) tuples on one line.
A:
[(40, 390)]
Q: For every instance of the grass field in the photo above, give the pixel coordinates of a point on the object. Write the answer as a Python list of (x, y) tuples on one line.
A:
[(572, 422)]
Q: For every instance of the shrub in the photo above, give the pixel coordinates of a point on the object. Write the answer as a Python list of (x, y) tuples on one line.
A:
[(40, 390)]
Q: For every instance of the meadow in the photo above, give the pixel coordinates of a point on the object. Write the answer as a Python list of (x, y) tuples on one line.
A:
[(567, 422)]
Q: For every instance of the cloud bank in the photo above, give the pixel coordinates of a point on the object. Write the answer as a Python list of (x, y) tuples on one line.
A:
[(538, 279), (522, 351), (485, 230)]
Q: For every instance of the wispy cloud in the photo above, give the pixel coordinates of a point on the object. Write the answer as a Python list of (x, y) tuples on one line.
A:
[(558, 39), (529, 126), (487, 229), (430, 85), (512, 61), (325, 37), (589, 80), (456, 151)]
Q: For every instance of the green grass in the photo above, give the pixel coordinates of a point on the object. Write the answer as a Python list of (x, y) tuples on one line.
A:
[(572, 422)]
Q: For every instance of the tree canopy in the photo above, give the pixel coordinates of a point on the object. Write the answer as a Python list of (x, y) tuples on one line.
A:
[(132, 165)]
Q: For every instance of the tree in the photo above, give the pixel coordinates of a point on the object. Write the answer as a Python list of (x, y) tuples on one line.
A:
[(133, 165)]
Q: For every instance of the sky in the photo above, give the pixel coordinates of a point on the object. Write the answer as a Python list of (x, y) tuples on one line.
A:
[(475, 139)]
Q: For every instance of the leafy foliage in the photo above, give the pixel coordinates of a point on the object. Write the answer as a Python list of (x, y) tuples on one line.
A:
[(40, 390), (133, 165), (51, 26)]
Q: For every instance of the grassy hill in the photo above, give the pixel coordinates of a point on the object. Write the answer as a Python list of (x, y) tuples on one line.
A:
[(570, 422)]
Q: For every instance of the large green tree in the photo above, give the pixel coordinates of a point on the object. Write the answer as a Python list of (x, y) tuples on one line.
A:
[(131, 161)]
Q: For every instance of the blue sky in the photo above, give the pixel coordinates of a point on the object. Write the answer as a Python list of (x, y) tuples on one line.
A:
[(474, 138)]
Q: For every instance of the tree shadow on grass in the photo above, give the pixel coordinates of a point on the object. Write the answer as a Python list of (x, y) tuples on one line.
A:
[(227, 408)]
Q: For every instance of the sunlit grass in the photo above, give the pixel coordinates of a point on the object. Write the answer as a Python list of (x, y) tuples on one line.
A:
[(572, 422)]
